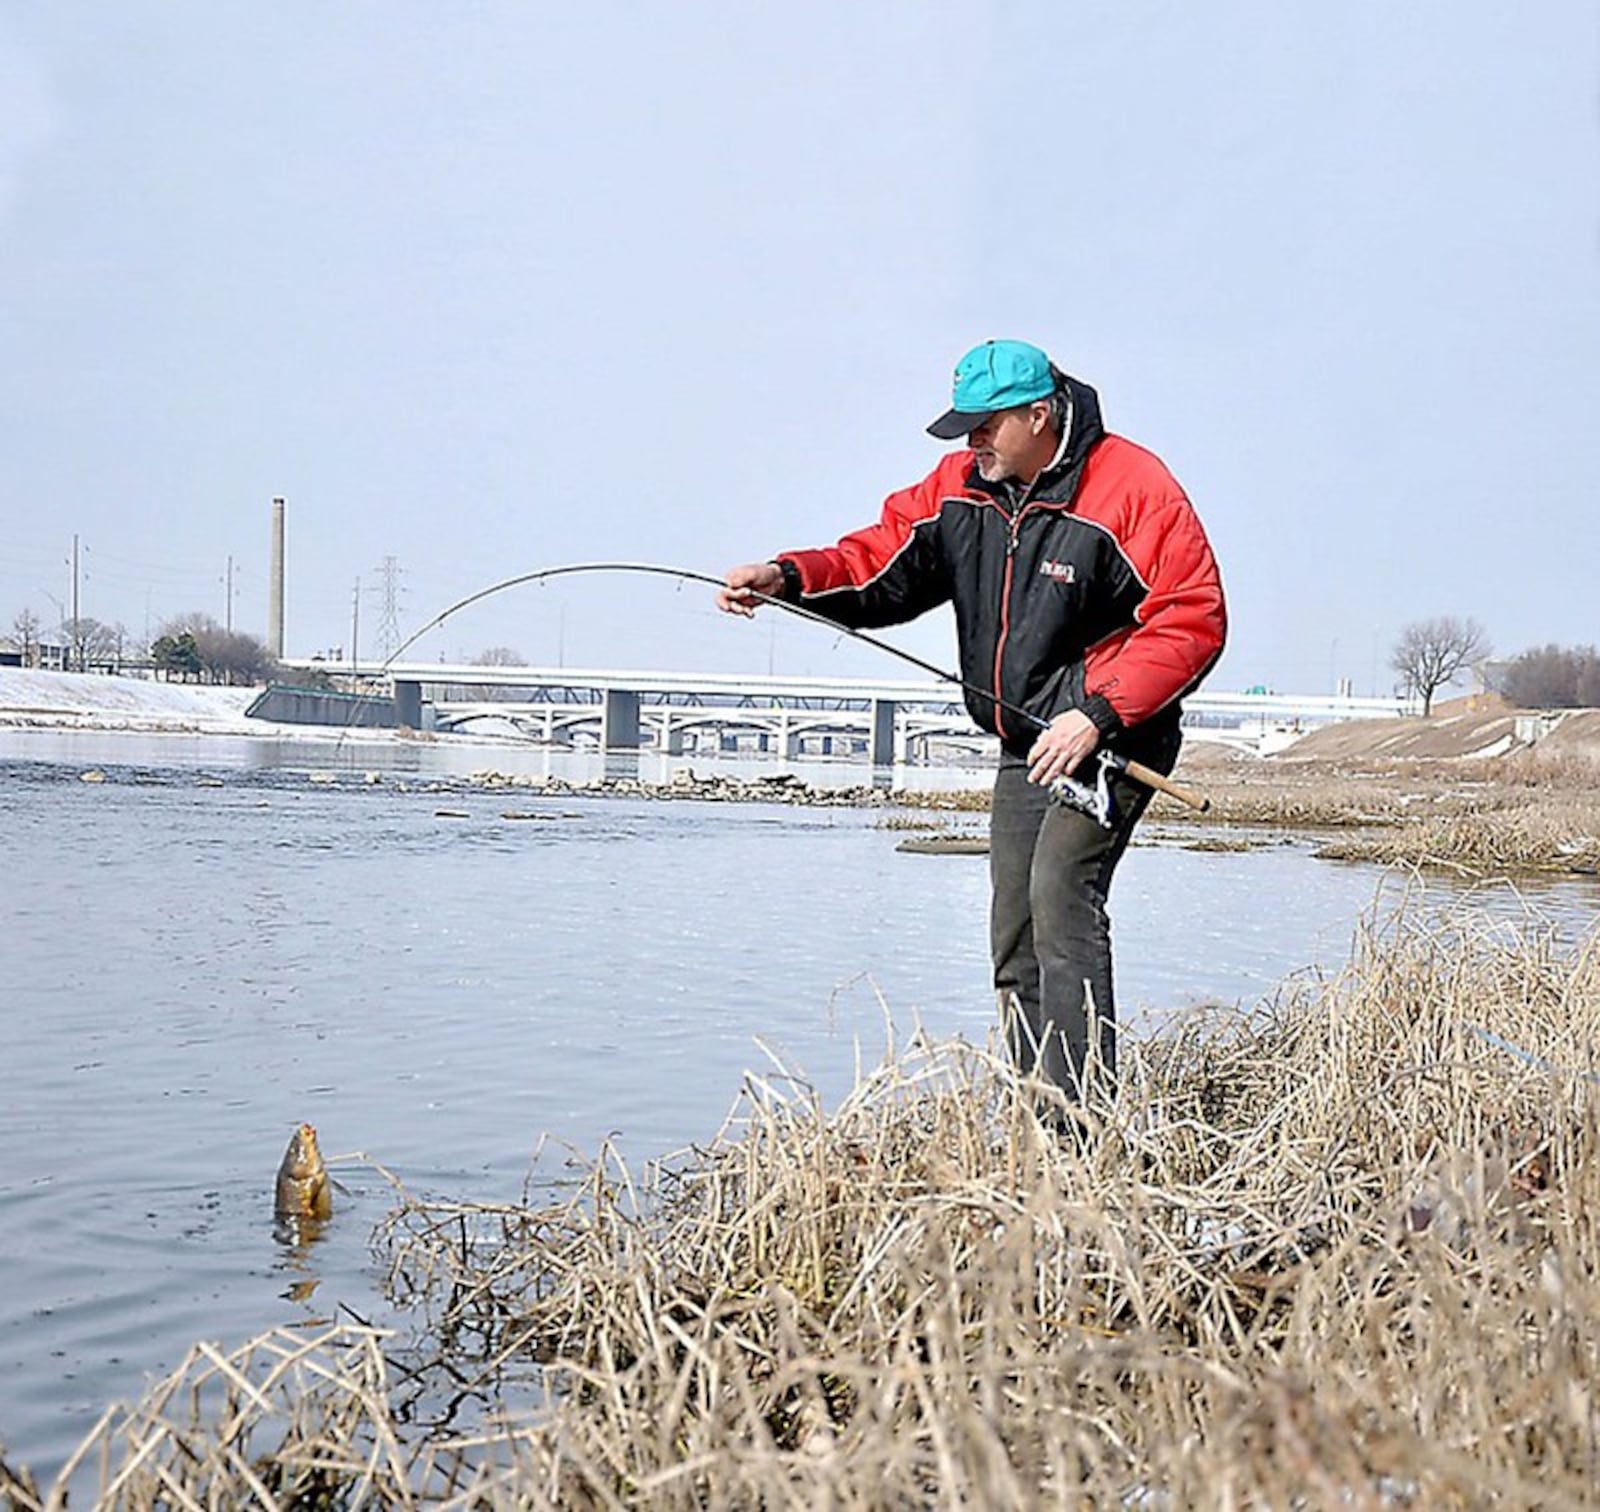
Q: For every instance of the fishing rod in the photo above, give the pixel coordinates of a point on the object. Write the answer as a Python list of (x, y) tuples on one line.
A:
[(688, 575), (1095, 801)]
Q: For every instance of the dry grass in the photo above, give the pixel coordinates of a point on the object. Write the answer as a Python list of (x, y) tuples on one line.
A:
[(1555, 770), (284, 1421), (1555, 834), (954, 801), (1477, 819), (910, 822), (1342, 1252)]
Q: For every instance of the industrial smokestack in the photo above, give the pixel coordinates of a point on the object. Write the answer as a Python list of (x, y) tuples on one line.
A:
[(275, 598)]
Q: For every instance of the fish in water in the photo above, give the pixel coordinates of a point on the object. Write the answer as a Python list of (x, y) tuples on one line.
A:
[(303, 1190)]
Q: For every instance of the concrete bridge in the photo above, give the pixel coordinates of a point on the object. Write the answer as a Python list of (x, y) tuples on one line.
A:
[(888, 722)]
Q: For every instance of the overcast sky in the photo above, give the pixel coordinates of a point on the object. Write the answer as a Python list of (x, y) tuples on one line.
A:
[(488, 287)]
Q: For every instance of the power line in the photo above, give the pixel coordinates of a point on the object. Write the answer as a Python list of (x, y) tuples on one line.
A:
[(389, 590)]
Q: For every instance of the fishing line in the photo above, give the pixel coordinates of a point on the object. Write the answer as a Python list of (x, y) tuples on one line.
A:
[(687, 575)]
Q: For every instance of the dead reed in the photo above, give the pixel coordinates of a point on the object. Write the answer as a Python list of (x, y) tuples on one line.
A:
[(1477, 819), (1544, 834), (1338, 1251)]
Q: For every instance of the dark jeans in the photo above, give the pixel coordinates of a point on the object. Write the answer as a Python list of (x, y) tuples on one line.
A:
[(1049, 934)]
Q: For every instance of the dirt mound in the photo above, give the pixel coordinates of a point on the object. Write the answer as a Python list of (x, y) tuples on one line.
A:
[(1482, 733), (1570, 740), (1449, 735), (1214, 755)]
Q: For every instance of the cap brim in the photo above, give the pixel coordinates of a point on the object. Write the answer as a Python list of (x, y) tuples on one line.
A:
[(954, 424)]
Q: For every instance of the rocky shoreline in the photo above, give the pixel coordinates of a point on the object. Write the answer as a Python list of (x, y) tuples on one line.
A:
[(775, 787)]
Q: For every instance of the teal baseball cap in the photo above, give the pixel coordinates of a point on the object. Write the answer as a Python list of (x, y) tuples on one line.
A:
[(995, 376)]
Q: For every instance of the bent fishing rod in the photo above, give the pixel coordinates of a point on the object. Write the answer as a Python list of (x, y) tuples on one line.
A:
[(1094, 801)]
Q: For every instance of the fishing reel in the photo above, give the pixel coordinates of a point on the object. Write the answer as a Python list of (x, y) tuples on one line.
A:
[(1096, 799)]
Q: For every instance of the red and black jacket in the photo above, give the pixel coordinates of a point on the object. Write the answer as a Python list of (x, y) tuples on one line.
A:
[(1095, 589)]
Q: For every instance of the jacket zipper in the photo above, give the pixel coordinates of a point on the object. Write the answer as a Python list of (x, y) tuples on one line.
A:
[(1024, 500), (1005, 619)]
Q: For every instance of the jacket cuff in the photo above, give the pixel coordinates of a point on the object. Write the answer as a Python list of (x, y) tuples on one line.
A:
[(792, 588), (1104, 718)]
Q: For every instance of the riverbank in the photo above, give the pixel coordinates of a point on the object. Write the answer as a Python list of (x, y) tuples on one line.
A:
[(70, 701), (1340, 1251), (1521, 809)]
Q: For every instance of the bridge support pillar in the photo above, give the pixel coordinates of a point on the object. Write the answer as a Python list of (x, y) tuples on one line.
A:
[(881, 748), (408, 704), (619, 724)]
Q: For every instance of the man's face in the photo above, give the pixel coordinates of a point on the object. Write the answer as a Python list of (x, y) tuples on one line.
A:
[(1007, 441)]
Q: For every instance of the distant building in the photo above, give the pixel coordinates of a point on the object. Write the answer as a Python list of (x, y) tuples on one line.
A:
[(45, 654), (1490, 674)]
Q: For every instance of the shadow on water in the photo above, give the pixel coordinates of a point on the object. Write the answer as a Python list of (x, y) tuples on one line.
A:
[(621, 766), (298, 1237)]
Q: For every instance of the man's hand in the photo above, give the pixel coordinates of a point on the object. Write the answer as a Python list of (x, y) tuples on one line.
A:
[(759, 577), (1058, 750)]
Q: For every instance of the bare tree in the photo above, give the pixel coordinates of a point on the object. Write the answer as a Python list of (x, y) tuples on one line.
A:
[(26, 625), (1588, 690), (496, 656), (240, 659), (1554, 677), (1432, 653), (94, 643)]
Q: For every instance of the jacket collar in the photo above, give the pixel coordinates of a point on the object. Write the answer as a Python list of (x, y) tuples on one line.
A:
[(1059, 481)]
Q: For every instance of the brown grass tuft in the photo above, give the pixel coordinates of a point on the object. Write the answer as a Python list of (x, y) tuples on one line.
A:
[(1555, 835)]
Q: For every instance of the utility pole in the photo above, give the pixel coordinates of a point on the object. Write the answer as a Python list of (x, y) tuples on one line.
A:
[(227, 612), (355, 628), (77, 628)]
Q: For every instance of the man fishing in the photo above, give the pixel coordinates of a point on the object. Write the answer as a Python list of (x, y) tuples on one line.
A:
[(1087, 603)]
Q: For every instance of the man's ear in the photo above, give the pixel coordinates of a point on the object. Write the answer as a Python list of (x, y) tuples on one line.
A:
[(1039, 418)]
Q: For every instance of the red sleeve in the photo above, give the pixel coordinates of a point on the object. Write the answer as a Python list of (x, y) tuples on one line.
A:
[(1181, 622), (890, 572)]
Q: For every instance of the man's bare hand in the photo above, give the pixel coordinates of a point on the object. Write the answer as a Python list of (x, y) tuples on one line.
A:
[(756, 577), (1058, 750)]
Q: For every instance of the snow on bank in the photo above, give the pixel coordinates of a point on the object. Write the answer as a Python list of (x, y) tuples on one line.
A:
[(84, 701)]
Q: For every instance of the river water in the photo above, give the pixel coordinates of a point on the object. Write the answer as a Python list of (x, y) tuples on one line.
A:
[(209, 946)]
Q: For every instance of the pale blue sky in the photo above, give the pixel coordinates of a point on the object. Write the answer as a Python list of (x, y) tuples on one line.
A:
[(489, 287)]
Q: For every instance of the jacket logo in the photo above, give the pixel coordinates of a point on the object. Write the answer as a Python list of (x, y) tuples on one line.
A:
[(1062, 572)]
